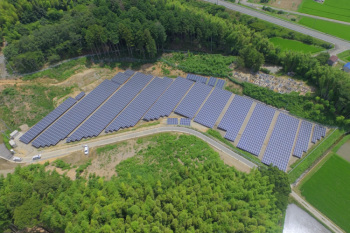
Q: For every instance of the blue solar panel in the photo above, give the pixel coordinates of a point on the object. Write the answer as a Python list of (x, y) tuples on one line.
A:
[(76, 115), (319, 132), (197, 78), (303, 139), (220, 84), (255, 132), (212, 108), (172, 121), (193, 100), (139, 106), (168, 101), (185, 121), (280, 145), (46, 121), (121, 78), (212, 81), (93, 126), (129, 72), (80, 95), (235, 116)]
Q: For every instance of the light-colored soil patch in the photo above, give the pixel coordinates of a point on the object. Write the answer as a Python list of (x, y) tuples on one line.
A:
[(161, 69), (232, 162), (291, 5), (344, 151), (7, 167)]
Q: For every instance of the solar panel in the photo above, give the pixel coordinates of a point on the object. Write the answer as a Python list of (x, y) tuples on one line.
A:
[(185, 121), (193, 100), (303, 139), (139, 106), (255, 132), (47, 120), (129, 72), (76, 115), (212, 108), (168, 101), (121, 78), (172, 121), (197, 78), (280, 145), (235, 116), (80, 95), (319, 132), (220, 84), (212, 81), (93, 126)]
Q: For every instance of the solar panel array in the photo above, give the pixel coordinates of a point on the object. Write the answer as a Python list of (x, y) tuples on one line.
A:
[(185, 121), (76, 115), (197, 78), (212, 81), (235, 116), (319, 132), (303, 139), (129, 72), (168, 101), (80, 95), (193, 100), (46, 121), (121, 77), (280, 145), (255, 132), (220, 84), (139, 106), (212, 108), (172, 121), (93, 126)]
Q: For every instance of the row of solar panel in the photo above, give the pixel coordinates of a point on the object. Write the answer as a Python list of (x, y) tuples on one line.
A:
[(212, 81), (175, 121)]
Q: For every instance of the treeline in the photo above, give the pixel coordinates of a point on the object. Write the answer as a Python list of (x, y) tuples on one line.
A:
[(177, 184)]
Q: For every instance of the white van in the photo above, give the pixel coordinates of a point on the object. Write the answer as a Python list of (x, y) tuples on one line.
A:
[(17, 159), (86, 149), (36, 157)]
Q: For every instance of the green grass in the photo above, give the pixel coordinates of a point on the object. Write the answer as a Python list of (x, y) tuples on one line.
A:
[(60, 72), (328, 190), (302, 165), (61, 164), (106, 148), (335, 29), (345, 56), (293, 45), (333, 9)]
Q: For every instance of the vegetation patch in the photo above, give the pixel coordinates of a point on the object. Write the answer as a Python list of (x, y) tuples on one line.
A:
[(345, 56), (293, 45), (336, 29), (61, 164), (328, 190)]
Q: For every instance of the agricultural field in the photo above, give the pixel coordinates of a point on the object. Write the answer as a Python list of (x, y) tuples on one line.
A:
[(293, 45), (345, 56), (335, 29), (328, 190), (333, 9)]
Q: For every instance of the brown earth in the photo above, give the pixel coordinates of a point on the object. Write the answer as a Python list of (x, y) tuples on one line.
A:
[(291, 5)]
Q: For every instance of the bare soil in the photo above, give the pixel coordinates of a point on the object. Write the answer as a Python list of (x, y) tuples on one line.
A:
[(291, 5), (344, 151)]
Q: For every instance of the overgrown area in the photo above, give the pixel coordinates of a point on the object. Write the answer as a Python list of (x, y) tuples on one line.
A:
[(177, 184)]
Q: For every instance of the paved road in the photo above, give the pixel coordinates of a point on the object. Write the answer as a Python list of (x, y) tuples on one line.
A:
[(340, 44), (316, 213)]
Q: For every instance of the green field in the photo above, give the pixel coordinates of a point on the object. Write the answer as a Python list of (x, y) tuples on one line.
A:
[(333, 9), (335, 29), (293, 45), (345, 56), (328, 189)]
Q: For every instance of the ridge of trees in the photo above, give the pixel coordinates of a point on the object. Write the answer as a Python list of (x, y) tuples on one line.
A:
[(176, 184)]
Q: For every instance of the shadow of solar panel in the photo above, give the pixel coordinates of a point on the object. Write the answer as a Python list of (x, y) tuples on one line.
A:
[(80, 95), (255, 132), (46, 121), (76, 115), (212, 81), (303, 139), (168, 101), (172, 121), (185, 121), (139, 106), (93, 126), (281, 142), (235, 116), (220, 84), (193, 100), (212, 108)]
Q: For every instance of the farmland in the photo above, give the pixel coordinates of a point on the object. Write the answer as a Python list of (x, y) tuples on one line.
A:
[(333, 9), (328, 190), (339, 30), (293, 45)]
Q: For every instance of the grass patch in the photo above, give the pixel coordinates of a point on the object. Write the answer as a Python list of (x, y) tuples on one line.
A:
[(107, 148), (345, 56), (302, 165), (333, 9), (204, 64), (328, 190), (335, 29), (293, 45), (245, 154), (81, 168), (61, 164), (60, 72)]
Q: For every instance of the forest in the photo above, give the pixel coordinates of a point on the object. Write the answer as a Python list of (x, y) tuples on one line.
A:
[(175, 184)]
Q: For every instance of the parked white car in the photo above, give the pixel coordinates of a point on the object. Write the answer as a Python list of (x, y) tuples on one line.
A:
[(86, 149), (36, 157), (17, 159)]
